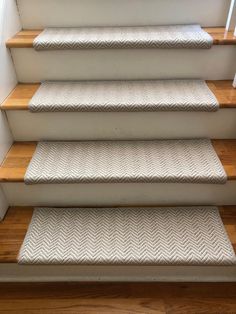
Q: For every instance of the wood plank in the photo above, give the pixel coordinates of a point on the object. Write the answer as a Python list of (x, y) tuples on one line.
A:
[(25, 38), (224, 92), (118, 298), (13, 229), (221, 36), (17, 160), (226, 151), (20, 97), (12, 232)]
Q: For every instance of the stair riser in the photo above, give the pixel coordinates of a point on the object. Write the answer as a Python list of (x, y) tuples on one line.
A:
[(39, 14), (106, 64), (26, 126), (16, 273), (98, 195)]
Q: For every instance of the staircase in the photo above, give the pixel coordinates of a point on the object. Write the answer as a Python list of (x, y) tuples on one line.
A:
[(124, 160)]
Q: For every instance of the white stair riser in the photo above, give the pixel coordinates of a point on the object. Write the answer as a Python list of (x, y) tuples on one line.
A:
[(26, 126), (98, 195), (51, 13), (117, 64), (13, 272)]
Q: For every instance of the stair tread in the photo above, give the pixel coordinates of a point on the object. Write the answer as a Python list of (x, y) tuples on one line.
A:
[(190, 36), (25, 38), (127, 236), (20, 97), (156, 161), (14, 166), (15, 224), (124, 96)]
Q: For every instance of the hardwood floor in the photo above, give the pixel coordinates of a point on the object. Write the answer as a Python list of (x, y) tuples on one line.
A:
[(25, 38), (13, 229), (120, 298), (18, 158), (22, 94)]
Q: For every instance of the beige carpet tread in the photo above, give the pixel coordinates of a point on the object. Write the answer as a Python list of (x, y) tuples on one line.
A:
[(127, 236), (16, 222), (190, 36), (124, 96), (157, 161)]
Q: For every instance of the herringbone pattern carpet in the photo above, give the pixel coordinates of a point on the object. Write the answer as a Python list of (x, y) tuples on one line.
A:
[(164, 161), (143, 236), (159, 95), (176, 36)]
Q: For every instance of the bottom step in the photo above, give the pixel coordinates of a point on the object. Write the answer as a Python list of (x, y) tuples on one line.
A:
[(127, 236)]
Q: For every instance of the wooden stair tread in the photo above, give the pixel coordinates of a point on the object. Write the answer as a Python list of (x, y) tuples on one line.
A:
[(20, 97), (15, 224), (25, 38), (17, 160)]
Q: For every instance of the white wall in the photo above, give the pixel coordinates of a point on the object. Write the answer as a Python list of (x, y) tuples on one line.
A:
[(9, 25)]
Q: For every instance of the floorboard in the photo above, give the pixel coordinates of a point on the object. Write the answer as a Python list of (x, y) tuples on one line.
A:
[(122, 298)]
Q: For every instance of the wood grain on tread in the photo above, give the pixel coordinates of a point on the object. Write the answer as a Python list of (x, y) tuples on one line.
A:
[(20, 97), (221, 36), (25, 38), (224, 92), (226, 151), (12, 232), (15, 224), (17, 160), (118, 298)]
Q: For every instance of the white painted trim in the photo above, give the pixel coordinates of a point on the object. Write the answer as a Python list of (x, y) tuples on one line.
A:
[(28, 126), (231, 20), (9, 25), (234, 82), (18, 273), (107, 64), (120, 194)]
